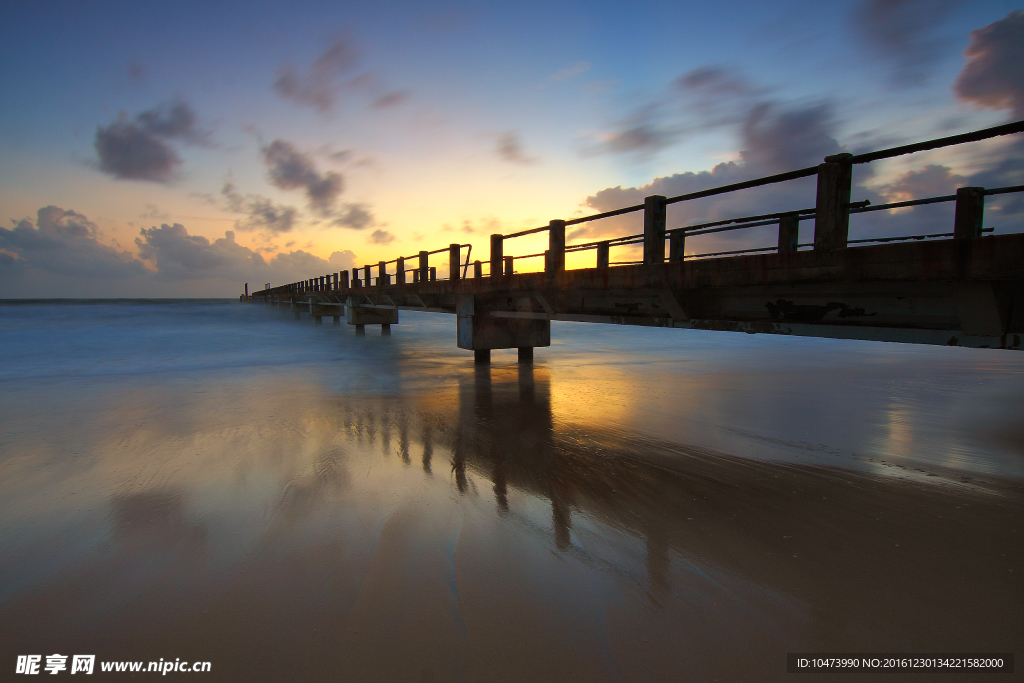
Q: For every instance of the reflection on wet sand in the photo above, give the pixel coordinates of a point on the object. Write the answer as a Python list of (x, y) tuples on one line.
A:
[(296, 539)]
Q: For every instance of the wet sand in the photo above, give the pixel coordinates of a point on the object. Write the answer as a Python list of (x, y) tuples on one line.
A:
[(492, 525)]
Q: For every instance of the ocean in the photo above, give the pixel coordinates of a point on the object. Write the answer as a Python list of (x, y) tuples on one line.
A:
[(205, 480)]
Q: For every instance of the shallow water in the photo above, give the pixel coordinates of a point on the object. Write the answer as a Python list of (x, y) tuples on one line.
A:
[(212, 481)]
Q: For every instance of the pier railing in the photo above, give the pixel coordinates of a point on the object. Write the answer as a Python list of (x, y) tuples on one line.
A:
[(831, 215)]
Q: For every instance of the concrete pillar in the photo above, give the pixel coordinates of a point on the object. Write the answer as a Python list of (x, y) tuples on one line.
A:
[(478, 331), (424, 266), (382, 273), (433, 273), (497, 255), (355, 277), (385, 330), (509, 265), (400, 271), (482, 356), (318, 319), (970, 211), (336, 319), (832, 215), (478, 269), (789, 232), (416, 276), (367, 280), (556, 248), (454, 261), (525, 354), (344, 280), (655, 213), (360, 330), (676, 245), (603, 254)]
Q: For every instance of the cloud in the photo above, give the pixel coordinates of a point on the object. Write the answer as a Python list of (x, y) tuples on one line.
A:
[(931, 181), (381, 237), (510, 148), (570, 71), (355, 216), (290, 169), (994, 74), (320, 86), (61, 243), (342, 260), (262, 215), (62, 254), (141, 149), (776, 140), (697, 101), (900, 32), (390, 99)]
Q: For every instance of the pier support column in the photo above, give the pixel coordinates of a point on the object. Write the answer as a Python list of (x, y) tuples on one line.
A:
[(360, 330), (832, 210), (676, 246), (478, 331), (525, 354), (454, 261), (385, 330), (482, 356), (337, 319), (497, 256), (970, 211), (655, 214), (424, 266), (789, 232), (554, 262)]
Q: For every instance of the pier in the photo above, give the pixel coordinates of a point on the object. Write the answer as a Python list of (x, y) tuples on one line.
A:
[(958, 285)]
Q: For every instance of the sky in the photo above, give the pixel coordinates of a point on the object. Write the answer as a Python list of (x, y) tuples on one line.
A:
[(184, 149)]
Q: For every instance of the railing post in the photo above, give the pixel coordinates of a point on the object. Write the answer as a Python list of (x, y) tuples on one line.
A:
[(478, 269), (433, 273), (676, 245), (367, 280), (655, 212), (555, 260), (343, 280), (355, 277), (454, 261), (509, 265), (382, 274), (970, 211), (603, 254), (424, 266), (400, 271), (497, 254), (789, 231), (832, 215)]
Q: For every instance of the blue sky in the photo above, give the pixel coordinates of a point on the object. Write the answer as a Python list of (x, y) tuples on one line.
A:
[(322, 135)]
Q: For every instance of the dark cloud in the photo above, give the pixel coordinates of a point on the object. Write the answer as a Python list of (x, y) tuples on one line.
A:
[(62, 255), (262, 215), (510, 148), (776, 140), (290, 169), (141, 149), (136, 71), (320, 86), (390, 99), (931, 181), (381, 237), (994, 74), (698, 101), (355, 216), (902, 33), (61, 243)]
